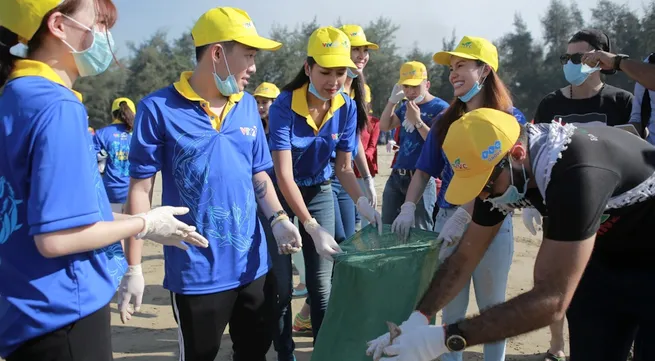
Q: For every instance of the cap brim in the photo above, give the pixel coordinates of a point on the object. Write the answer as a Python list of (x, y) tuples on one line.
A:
[(462, 190), (268, 96), (259, 42), (443, 57), (411, 82), (334, 61), (371, 46)]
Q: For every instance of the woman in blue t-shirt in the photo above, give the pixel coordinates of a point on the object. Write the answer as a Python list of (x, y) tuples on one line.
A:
[(308, 121), (60, 258)]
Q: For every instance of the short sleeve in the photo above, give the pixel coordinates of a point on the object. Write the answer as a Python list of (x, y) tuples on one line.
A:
[(430, 160), (576, 200), (485, 215), (147, 144), (519, 116), (97, 142), (399, 111), (64, 180), (349, 139), (261, 155), (280, 118)]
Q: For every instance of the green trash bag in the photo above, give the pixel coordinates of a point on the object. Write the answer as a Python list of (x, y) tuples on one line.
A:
[(376, 279)]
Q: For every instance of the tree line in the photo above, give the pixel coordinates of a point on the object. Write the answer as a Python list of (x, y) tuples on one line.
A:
[(529, 66)]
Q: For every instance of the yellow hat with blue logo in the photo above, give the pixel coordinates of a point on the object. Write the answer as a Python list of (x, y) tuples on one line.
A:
[(357, 37), (471, 47), (330, 48), (229, 24), (116, 105), (267, 90), (412, 73), (24, 17), (474, 145)]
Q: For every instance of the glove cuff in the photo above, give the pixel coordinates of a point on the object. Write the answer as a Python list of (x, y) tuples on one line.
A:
[(420, 317), (143, 232), (461, 212), (311, 225), (408, 207), (134, 270)]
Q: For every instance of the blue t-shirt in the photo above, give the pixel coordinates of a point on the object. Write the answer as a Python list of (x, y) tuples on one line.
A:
[(115, 139), (433, 161), (209, 171), (49, 182), (292, 128), (412, 143)]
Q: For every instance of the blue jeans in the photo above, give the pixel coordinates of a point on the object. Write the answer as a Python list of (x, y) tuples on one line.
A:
[(394, 196), (489, 281), (318, 271), (344, 212)]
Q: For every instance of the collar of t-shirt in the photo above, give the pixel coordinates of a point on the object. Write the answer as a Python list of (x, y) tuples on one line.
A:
[(299, 106), (26, 67)]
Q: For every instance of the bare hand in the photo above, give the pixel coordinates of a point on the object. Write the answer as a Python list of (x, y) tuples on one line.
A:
[(599, 58)]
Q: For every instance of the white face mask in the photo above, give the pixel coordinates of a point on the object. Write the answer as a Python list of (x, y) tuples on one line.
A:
[(512, 194)]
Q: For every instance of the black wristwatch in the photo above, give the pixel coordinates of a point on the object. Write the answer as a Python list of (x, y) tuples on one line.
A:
[(617, 60), (455, 341), (277, 214)]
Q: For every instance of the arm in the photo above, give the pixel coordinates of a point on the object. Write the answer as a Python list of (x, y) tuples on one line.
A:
[(430, 163), (360, 160), (635, 114), (641, 72), (265, 193), (346, 175), (139, 200), (388, 119), (417, 186), (372, 145), (288, 186)]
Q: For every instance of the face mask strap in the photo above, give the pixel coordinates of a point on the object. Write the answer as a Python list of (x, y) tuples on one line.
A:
[(226, 66)]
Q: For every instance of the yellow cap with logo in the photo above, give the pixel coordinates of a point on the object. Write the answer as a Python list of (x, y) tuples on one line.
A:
[(229, 24), (471, 47), (412, 73), (116, 105), (330, 48), (24, 17), (357, 37), (474, 145), (267, 90)]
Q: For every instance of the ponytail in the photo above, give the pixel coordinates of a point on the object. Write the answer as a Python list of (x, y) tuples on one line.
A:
[(7, 61), (362, 113), (124, 114)]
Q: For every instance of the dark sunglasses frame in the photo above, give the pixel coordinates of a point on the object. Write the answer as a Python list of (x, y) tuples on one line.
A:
[(575, 58), (488, 188)]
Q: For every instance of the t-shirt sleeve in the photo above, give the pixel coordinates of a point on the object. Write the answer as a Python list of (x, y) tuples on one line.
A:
[(519, 116), (400, 110), (576, 199), (349, 139), (485, 215), (261, 155), (280, 118), (97, 142), (147, 144), (635, 114), (431, 160), (63, 181)]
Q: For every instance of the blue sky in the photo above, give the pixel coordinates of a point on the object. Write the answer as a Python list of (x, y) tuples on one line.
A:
[(424, 23)]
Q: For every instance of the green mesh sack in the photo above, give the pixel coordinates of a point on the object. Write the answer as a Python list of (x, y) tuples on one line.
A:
[(376, 279)]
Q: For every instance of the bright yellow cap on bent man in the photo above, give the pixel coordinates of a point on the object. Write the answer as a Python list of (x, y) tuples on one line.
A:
[(357, 37), (267, 90), (471, 47), (117, 104), (24, 17), (330, 48), (412, 73), (229, 24), (474, 145)]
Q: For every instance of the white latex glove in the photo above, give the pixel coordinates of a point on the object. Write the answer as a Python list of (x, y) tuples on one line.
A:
[(102, 160), (287, 237), (376, 346), (404, 221), (367, 211), (390, 145), (369, 189), (162, 227), (419, 343), (409, 127), (397, 94), (324, 243), (531, 219), (131, 287), (452, 232)]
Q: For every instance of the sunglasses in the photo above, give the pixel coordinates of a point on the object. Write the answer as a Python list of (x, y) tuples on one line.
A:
[(488, 188), (574, 58)]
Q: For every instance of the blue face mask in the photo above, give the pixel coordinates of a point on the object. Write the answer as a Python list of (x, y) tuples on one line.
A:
[(419, 98), (228, 86), (475, 89), (576, 74), (512, 194), (312, 89), (351, 74), (97, 58)]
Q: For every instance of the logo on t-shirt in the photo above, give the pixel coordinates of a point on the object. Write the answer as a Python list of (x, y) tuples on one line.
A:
[(252, 132)]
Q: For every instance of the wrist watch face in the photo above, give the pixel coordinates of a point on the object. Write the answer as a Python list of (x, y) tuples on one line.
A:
[(456, 343)]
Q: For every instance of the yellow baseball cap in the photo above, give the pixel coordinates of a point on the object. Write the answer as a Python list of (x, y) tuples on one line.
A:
[(267, 90), (412, 73), (117, 104), (357, 37), (471, 47), (474, 145), (24, 17), (229, 24), (330, 47)]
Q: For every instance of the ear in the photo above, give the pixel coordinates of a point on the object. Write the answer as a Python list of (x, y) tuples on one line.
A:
[(56, 25), (307, 68), (217, 52), (519, 151), (486, 69), (427, 85)]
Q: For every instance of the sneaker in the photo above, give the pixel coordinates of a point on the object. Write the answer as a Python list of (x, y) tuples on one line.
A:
[(302, 324)]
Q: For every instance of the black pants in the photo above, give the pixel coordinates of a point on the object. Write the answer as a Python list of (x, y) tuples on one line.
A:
[(88, 339), (610, 306), (249, 310)]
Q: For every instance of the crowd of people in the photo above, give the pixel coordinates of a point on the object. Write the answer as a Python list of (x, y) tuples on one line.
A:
[(255, 184)]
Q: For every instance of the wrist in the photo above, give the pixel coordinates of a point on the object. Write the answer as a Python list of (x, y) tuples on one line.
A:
[(310, 224), (277, 215), (144, 228), (134, 270)]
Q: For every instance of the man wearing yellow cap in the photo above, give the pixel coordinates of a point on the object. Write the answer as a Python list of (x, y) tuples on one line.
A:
[(264, 95), (205, 136), (595, 261), (416, 116)]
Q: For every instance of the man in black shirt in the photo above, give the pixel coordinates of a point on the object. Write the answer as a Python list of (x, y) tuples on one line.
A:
[(596, 185)]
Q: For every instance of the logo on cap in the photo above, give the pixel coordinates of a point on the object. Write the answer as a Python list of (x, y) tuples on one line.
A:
[(247, 24), (457, 164), (336, 44), (467, 44), (492, 152)]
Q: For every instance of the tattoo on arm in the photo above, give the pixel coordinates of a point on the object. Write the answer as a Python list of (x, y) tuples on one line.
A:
[(261, 188)]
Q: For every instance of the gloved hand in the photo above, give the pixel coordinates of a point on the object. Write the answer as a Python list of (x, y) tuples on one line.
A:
[(390, 145), (102, 160), (287, 236), (531, 219), (409, 127), (452, 232), (162, 227), (376, 346), (369, 189), (367, 211), (397, 94), (131, 286), (419, 343), (404, 221), (324, 243)]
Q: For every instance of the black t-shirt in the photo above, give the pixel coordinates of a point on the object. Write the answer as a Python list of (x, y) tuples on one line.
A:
[(611, 106), (599, 163)]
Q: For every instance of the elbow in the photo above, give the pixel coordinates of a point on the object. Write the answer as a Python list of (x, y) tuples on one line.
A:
[(48, 246), (384, 127)]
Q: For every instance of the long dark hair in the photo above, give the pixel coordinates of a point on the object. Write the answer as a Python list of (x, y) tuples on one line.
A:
[(8, 38), (357, 86), (125, 114), (495, 95)]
